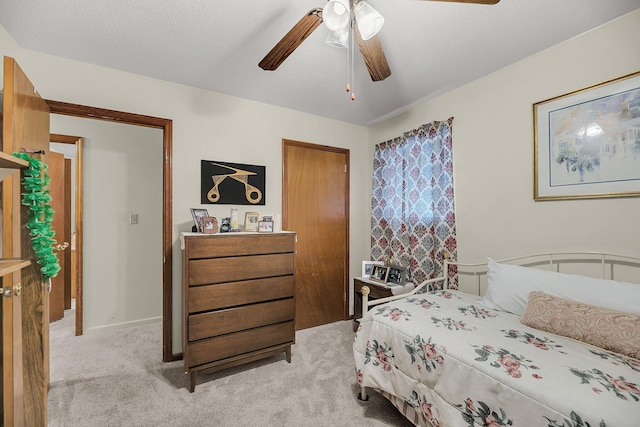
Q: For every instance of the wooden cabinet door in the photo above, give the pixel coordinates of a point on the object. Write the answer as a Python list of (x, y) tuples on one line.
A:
[(25, 345)]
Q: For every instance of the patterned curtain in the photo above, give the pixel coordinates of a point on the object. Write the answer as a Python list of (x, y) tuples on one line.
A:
[(413, 216)]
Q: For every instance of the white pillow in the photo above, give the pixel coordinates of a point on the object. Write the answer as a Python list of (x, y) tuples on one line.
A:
[(509, 286)]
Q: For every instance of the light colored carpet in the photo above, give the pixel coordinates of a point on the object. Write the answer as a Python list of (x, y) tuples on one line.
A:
[(117, 378)]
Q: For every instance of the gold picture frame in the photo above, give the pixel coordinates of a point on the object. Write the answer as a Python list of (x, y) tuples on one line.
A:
[(586, 143)]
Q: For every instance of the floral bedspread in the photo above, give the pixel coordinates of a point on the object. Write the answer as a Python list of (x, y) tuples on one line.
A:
[(458, 363)]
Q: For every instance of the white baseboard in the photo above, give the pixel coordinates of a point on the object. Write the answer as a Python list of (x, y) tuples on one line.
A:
[(122, 325)]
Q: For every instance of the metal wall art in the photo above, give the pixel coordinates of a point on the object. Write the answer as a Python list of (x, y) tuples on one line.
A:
[(224, 183)]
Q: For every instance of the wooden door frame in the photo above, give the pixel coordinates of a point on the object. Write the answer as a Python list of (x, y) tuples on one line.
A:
[(78, 142), (83, 111), (285, 188)]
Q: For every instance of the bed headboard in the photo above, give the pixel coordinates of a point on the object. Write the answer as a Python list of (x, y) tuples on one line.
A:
[(472, 277)]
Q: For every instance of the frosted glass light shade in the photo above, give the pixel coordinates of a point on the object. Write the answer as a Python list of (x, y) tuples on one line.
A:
[(368, 19), (335, 14), (338, 38)]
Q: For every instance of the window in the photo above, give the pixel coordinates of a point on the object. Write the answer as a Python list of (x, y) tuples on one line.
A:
[(412, 208)]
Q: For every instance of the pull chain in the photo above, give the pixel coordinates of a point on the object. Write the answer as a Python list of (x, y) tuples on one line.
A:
[(351, 56)]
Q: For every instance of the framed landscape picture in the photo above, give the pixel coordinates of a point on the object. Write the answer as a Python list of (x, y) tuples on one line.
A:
[(587, 142)]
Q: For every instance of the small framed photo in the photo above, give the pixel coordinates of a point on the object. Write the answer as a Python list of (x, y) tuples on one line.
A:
[(397, 275), (209, 224), (379, 273), (251, 220), (197, 214), (265, 227), (367, 266), (267, 217)]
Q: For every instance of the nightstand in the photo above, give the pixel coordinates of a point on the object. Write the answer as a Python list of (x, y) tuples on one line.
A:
[(377, 290)]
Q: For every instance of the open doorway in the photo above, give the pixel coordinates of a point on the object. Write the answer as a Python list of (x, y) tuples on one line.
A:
[(165, 125)]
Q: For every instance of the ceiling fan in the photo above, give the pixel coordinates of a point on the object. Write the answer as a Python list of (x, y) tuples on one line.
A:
[(347, 20)]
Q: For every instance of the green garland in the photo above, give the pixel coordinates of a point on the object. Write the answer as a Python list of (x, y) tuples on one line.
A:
[(37, 198)]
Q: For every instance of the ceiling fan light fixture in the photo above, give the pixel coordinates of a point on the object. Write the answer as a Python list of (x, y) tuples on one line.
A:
[(338, 38), (335, 14), (368, 19)]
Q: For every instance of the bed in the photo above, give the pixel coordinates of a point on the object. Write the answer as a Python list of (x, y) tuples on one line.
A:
[(540, 347)]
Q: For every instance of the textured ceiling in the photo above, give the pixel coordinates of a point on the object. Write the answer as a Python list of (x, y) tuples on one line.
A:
[(431, 47)]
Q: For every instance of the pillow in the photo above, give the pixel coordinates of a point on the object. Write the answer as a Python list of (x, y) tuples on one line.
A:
[(508, 288), (604, 328)]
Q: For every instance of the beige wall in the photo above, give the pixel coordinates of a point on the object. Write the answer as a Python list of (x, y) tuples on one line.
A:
[(122, 274), (493, 151), (206, 125)]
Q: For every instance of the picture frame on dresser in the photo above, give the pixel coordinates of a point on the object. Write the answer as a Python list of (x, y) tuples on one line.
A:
[(197, 215), (251, 220), (265, 227), (209, 224)]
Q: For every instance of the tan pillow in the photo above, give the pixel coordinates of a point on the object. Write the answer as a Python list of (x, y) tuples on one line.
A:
[(602, 327)]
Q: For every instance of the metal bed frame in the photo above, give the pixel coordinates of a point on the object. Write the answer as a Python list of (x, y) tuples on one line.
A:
[(551, 261)]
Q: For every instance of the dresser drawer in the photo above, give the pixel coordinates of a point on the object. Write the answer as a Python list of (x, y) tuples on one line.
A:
[(221, 347), (220, 270), (224, 295), (234, 245), (205, 325)]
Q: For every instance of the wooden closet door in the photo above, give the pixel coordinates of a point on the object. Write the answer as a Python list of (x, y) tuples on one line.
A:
[(316, 206)]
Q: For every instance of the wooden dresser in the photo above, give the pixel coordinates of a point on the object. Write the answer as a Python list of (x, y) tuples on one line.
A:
[(238, 299)]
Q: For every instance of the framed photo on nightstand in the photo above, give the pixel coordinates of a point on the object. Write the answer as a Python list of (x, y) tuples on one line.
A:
[(397, 275), (367, 266), (379, 273)]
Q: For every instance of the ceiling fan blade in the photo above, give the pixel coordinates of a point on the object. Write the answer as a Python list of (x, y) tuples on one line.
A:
[(471, 1), (292, 40), (373, 56)]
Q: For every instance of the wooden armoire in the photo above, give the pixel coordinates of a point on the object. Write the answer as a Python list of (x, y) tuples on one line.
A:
[(25, 322)]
